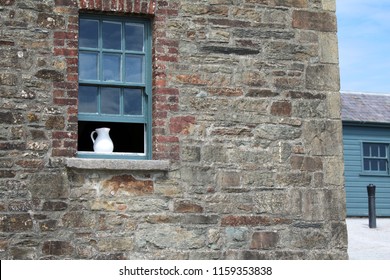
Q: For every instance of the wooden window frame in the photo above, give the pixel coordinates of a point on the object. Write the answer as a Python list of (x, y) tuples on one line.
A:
[(145, 85)]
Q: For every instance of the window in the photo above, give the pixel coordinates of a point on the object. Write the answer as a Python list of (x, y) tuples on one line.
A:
[(115, 85), (375, 157)]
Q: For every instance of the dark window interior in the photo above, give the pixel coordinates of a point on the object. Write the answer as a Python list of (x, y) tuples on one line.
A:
[(127, 137)]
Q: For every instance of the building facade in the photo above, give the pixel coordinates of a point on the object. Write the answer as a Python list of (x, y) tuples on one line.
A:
[(225, 119), (366, 137)]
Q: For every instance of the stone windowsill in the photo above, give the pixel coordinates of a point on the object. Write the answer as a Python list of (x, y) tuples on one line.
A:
[(118, 164)]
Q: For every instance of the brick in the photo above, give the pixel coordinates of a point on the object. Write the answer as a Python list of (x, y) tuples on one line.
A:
[(181, 124)]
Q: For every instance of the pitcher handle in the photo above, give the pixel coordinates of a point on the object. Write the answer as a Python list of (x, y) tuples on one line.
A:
[(93, 140)]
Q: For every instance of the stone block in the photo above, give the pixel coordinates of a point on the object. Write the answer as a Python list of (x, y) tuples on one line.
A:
[(264, 240), (236, 237), (281, 108), (169, 237), (79, 219), (328, 48), (235, 221), (127, 185), (323, 77), (305, 163), (58, 248), (112, 244), (15, 222), (187, 207), (49, 185), (320, 21)]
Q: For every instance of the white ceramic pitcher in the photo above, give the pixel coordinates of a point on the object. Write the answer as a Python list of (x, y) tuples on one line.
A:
[(103, 142)]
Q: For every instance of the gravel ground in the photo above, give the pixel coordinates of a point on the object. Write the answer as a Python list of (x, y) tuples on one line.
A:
[(366, 243)]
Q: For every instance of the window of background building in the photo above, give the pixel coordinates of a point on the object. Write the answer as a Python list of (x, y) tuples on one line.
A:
[(375, 157)]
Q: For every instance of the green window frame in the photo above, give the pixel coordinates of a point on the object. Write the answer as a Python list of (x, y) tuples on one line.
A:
[(115, 73), (375, 158)]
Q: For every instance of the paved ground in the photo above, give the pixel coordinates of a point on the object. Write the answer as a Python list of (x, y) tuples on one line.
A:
[(366, 243)]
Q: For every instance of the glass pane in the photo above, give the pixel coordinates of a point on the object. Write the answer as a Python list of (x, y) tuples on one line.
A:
[(88, 99), (374, 150), (109, 100), (111, 67), (134, 37), (134, 68), (382, 150), (88, 65), (366, 164), (383, 165), (111, 35), (366, 150), (132, 100), (88, 34), (374, 165)]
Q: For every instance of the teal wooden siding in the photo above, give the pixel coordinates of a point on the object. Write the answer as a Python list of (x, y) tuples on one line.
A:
[(356, 180)]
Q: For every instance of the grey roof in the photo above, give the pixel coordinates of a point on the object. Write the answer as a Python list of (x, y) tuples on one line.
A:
[(365, 107)]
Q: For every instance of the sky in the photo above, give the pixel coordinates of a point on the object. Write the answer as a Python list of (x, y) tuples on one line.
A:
[(364, 45)]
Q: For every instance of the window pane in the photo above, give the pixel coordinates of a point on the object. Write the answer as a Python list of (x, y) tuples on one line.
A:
[(374, 164), (383, 165), (88, 34), (366, 150), (134, 36), (88, 63), (88, 99), (111, 67), (132, 99), (134, 68), (111, 35), (110, 100), (366, 164), (374, 150), (382, 150)]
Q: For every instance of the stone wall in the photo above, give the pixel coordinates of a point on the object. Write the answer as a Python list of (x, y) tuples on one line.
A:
[(247, 152)]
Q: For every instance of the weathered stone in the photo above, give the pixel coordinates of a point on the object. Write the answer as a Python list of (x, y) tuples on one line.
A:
[(281, 108), (79, 219), (57, 248), (187, 207), (51, 75), (167, 236), (229, 50), (323, 77), (49, 186), (306, 163), (15, 222), (252, 221), (8, 79), (55, 122), (264, 240), (321, 21), (54, 206), (127, 185)]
